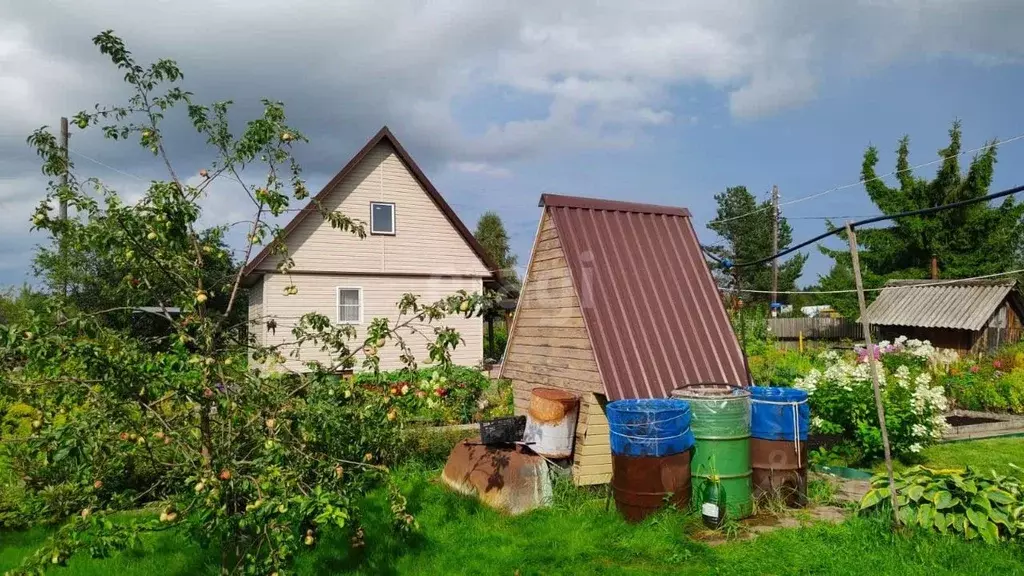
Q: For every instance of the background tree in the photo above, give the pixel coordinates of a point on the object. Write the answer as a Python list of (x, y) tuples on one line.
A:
[(975, 240), (490, 232), (750, 238)]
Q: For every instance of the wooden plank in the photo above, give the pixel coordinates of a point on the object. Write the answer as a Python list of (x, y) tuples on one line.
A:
[(553, 322), (536, 332), (548, 365), (549, 351), (592, 479), (596, 429), (552, 381), (548, 245), (548, 234), (524, 366), (591, 469), (563, 342), (593, 450), (545, 285), (548, 274), (546, 297)]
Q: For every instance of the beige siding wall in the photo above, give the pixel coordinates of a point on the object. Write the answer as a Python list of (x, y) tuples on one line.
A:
[(549, 347), (424, 242), (256, 311), (318, 293)]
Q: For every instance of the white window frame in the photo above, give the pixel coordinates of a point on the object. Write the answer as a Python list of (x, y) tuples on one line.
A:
[(393, 218), (337, 304)]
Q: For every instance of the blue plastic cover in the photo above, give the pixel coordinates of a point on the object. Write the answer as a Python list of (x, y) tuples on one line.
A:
[(772, 413), (652, 427)]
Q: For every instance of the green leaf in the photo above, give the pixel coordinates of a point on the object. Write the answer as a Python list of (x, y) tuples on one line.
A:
[(940, 522), (989, 533), (915, 492), (944, 500), (969, 532), (925, 515), (907, 516), (999, 496), (980, 501), (976, 517), (873, 497), (999, 517)]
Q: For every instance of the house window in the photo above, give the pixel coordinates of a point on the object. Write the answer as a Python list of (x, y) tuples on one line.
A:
[(350, 305), (382, 218)]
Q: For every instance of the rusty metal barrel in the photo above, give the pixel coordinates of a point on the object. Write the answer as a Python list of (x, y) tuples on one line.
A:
[(650, 444), (551, 422), (780, 418)]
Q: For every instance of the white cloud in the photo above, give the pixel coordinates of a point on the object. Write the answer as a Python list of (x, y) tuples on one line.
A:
[(604, 72), (482, 168)]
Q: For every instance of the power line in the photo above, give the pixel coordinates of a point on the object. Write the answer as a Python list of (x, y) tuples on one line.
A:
[(875, 219), (854, 290), (865, 181)]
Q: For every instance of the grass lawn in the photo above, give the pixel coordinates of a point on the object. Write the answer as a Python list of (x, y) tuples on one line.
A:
[(983, 455), (459, 536)]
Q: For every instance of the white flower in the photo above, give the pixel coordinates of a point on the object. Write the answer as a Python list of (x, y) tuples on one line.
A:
[(915, 447), (816, 423), (900, 340), (919, 430), (923, 379)]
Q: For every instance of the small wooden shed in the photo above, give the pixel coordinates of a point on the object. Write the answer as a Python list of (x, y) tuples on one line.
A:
[(969, 316), (617, 302)]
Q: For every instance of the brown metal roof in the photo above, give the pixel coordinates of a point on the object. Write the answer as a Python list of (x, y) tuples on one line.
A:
[(963, 305), (383, 135), (654, 315)]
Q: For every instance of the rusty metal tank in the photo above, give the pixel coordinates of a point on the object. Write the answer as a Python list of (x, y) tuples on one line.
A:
[(780, 420), (650, 445), (551, 422), (642, 485), (780, 470)]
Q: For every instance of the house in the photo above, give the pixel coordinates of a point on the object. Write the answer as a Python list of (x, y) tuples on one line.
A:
[(968, 316), (617, 302), (414, 243)]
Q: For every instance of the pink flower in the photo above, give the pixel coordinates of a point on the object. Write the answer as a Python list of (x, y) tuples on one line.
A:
[(974, 369), (997, 364)]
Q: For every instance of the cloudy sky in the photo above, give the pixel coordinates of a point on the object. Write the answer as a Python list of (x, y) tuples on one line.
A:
[(664, 102)]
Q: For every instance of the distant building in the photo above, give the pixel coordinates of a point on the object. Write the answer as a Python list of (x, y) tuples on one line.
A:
[(823, 311), (967, 316)]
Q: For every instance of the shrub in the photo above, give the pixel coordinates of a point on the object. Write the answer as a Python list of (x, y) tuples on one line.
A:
[(842, 402), (968, 503), (779, 367), (500, 340)]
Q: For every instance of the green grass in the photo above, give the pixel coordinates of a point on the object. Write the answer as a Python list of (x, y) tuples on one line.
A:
[(577, 535), (983, 455)]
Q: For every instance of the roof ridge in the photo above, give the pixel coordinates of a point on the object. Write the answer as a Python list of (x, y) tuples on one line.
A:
[(383, 134), (561, 201)]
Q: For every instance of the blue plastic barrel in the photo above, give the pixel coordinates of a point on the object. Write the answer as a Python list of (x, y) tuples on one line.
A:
[(779, 413), (651, 427)]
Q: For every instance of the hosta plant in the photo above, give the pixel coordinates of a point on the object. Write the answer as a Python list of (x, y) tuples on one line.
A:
[(988, 506)]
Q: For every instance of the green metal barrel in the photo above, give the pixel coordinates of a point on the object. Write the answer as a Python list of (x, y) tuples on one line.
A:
[(721, 425)]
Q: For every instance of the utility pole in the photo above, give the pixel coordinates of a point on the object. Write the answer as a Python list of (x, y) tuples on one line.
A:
[(866, 324), (775, 245), (64, 173)]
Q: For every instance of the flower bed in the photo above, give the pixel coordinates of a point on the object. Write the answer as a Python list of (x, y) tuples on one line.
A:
[(990, 384), (842, 398)]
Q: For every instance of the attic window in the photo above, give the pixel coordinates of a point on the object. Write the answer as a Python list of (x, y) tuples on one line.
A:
[(382, 218)]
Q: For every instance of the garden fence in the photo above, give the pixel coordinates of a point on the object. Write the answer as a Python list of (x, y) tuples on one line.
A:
[(822, 329)]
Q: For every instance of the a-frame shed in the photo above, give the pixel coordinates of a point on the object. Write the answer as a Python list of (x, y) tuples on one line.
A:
[(617, 303)]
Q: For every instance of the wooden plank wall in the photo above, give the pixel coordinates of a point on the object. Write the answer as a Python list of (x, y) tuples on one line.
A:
[(549, 347)]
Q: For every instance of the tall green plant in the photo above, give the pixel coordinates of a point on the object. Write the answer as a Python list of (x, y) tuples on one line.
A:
[(971, 241), (253, 462)]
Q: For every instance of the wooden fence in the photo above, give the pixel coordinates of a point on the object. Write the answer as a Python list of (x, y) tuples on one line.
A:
[(830, 329)]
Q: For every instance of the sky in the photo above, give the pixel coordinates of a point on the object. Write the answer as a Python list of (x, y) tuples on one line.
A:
[(501, 101)]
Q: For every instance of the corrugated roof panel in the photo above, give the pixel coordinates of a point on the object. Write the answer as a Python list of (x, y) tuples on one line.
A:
[(964, 305), (652, 309)]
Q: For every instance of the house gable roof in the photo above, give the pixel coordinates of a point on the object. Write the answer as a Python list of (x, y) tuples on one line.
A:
[(650, 305), (384, 135), (957, 304)]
